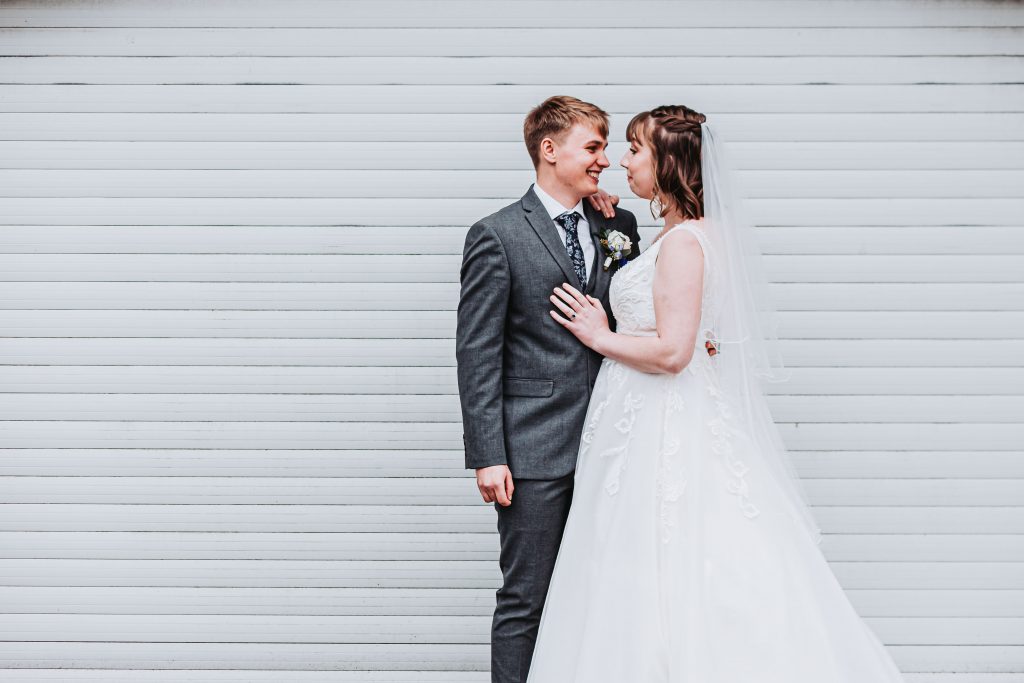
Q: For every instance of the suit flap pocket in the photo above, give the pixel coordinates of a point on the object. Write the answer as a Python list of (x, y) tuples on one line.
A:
[(521, 386)]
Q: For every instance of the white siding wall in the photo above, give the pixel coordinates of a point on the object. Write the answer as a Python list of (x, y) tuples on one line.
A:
[(229, 244)]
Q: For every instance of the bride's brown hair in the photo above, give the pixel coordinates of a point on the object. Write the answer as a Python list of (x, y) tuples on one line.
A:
[(674, 134)]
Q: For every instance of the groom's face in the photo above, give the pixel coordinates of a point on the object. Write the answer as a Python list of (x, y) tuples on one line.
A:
[(579, 159)]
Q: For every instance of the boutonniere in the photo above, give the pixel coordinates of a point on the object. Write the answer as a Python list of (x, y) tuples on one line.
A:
[(616, 247)]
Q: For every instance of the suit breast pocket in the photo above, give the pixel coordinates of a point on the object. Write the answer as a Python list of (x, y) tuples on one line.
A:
[(526, 386)]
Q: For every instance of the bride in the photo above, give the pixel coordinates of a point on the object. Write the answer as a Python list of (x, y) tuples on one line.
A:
[(689, 554)]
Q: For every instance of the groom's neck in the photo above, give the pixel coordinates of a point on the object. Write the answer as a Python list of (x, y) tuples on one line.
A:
[(565, 196)]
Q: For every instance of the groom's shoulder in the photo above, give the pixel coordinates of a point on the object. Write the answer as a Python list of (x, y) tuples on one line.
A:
[(503, 219), (507, 215), (623, 220)]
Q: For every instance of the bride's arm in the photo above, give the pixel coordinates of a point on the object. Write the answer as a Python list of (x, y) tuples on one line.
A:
[(678, 280)]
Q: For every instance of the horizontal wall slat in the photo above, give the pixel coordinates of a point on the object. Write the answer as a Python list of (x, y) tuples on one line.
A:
[(351, 240), (80, 350), (230, 628), (798, 184), (216, 377), (465, 546), (129, 462), (218, 676), (965, 97), (435, 574), (504, 41), (374, 574), (478, 602), (486, 156), (432, 657), (785, 13), (293, 676), (446, 408), (244, 656), (808, 325), (617, 70), (415, 126), (434, 296), (68, 343), (421, 268), (180, 490), (446, 435), (444, 518), (411, 211)]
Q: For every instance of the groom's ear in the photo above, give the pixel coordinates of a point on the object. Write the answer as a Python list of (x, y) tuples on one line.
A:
[(547, 151)]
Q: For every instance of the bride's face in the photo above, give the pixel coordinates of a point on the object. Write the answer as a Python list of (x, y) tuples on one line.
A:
[(639, 165)]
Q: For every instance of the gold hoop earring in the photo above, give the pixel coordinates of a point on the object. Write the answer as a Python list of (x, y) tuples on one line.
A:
[(656, 213)]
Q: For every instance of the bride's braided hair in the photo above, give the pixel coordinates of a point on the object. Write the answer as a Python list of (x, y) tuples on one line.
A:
[(674, 133)]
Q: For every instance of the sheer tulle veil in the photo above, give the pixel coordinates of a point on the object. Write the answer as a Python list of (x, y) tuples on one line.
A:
[(744, 319)]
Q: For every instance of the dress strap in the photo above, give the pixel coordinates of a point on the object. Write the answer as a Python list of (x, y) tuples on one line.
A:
[(701, 239)]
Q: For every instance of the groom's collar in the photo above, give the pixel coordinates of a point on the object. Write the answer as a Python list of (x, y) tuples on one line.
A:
[(553, 206), (531, 202)]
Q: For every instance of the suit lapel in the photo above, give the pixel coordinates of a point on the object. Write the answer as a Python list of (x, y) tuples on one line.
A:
[(537, 217), (597, 285)]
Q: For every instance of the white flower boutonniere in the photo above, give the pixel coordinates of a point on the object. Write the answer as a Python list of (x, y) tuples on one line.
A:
[(616, 247)]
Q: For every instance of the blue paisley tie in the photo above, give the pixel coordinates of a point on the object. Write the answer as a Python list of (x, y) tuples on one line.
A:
[(569, 220)]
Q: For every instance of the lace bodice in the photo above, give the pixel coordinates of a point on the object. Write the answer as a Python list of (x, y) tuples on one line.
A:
[(631, 292), (632, 301)]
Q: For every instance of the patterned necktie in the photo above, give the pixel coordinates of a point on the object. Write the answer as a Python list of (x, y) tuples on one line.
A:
[(569, 220)]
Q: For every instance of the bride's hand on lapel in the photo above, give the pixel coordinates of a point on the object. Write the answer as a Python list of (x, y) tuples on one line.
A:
[(604, 202), (584, 315)]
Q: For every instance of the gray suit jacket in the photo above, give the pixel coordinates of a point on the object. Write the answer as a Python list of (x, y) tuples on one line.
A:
[(524, 380)]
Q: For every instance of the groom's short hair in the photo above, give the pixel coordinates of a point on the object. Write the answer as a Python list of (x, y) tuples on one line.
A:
[(555, 116)]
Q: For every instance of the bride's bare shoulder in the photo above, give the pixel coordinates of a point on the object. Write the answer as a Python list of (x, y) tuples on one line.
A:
[(680, 247)]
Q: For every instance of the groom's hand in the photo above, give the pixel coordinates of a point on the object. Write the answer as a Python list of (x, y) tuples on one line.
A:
[(604, 202), (495, 484)]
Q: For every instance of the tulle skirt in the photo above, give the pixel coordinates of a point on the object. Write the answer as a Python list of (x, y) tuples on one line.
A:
[(682, 563)]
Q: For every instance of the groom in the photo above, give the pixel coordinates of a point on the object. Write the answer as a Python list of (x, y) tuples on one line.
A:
[(524, 381)]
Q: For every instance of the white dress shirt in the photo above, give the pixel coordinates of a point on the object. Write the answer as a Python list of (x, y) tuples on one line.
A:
[(555, 208)]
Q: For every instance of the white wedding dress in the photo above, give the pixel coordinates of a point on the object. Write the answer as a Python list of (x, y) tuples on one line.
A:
[(680, 561)]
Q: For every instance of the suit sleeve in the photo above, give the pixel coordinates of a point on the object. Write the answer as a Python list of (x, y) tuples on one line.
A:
[(479, 345)]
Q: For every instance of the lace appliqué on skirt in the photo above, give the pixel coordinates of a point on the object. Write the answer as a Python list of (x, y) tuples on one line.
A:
[(611, 377), (630, 405), (670, 482), (723, 437)]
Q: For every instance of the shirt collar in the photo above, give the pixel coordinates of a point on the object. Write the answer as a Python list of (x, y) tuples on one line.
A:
[(554, 208)]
